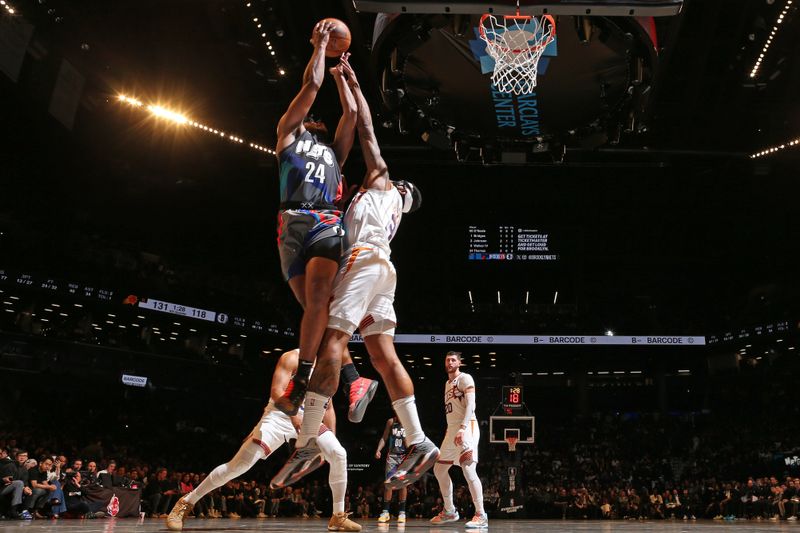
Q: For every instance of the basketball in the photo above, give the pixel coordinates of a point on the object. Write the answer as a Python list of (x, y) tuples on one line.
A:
[(339, 40)]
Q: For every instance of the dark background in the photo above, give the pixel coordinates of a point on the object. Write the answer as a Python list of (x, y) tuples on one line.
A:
[(677, 231)]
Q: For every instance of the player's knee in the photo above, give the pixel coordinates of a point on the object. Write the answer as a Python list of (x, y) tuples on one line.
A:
[(380, 363), (382, 359), (440, 469), (466, 460), (339, 454), (336, 455)]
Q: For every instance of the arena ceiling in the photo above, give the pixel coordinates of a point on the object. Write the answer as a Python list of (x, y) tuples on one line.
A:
[(674, 215)]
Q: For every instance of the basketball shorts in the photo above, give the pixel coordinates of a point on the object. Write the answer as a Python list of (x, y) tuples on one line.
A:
[(299, 230), (393, 460), (363, 294), (452, 454), (272, 431)]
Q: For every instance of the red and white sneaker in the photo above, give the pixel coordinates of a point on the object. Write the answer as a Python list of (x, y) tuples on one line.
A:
[(444, 517), (362, 391)]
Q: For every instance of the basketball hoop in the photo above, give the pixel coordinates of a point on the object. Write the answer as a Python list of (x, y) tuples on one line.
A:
[(512, 443), (516, 43)]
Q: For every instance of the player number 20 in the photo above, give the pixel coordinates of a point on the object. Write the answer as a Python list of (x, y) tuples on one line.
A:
[(448, 407), (315, 171)]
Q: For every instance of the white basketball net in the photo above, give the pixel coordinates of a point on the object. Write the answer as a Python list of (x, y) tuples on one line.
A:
[(516, 44)]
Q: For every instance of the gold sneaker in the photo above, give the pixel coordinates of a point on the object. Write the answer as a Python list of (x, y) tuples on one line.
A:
[(178, 514), (340, 522)]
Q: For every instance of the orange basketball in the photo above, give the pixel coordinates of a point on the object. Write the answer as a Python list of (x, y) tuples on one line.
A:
[(339, 41)]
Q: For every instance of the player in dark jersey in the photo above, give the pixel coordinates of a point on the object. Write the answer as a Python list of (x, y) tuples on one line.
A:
[(310, 221), (394, 439)]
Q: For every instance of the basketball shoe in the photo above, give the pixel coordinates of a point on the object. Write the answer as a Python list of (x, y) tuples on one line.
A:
[(340, 522), (478, 521), (417, 460), (179, 512), (444, 517), (362, 391), (303, 461)]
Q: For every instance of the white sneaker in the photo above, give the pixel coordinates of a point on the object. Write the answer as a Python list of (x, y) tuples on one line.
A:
[(478, 521), (401, 518), (384, 517)]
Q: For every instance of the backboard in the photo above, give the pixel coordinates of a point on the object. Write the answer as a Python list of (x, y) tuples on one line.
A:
[(605, 8), (502, 427)]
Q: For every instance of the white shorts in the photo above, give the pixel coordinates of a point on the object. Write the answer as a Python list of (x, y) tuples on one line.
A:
[(363, 294), (272, 431), (452, 454)]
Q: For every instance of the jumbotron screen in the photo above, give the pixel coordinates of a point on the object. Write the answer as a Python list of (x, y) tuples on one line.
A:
[(509, 242)]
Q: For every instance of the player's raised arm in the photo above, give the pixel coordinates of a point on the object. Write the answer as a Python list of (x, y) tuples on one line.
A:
[(346, 129), (313, 76), (377, 171)]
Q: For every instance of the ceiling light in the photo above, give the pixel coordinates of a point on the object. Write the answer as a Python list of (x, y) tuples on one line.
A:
[(768, 43)]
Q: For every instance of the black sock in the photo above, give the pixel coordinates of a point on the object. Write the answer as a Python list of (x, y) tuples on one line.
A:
[(401, 506), (349, 374), (304, 370)]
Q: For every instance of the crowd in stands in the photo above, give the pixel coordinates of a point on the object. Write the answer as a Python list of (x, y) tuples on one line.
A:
[(609, 467)]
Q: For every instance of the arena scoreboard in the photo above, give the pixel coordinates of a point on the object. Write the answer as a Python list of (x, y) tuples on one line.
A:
[(509, 243), (512, 396)]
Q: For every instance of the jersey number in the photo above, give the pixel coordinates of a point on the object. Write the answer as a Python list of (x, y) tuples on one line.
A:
[(448, 407), (318, 173)]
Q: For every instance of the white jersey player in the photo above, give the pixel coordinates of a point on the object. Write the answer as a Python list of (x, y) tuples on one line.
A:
[(268, 435), (363, 298), (460, 445)]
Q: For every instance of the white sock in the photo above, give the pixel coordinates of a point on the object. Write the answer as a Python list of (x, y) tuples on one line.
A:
[(445, 485), (313, 411), (406, 409), (475, 486), (245, 458), (335, 454)]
